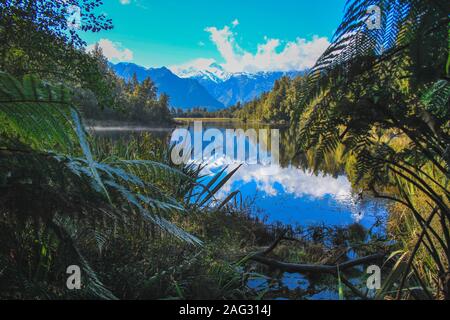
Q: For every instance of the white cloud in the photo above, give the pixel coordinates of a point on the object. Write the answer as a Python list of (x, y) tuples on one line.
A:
[(113, 51), (273, 180), (235, 22), (199, 64), (272, 55), (275, 183), (137, 3)]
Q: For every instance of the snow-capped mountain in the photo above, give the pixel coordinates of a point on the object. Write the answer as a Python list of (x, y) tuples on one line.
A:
[(207, 72), (245, 87), (207, 85), (230, 88), (185, 93)]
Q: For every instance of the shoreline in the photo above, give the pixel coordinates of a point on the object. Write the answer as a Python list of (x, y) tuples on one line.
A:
[(233, 120), (117, 125)]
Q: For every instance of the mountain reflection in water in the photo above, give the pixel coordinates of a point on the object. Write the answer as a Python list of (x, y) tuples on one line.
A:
[(289, 193)]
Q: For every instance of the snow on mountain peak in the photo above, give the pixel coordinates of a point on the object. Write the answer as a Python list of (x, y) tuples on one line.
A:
[(204, 69)]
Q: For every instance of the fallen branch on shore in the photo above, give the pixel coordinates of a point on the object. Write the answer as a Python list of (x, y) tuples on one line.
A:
[(260, 257), (312, 268)]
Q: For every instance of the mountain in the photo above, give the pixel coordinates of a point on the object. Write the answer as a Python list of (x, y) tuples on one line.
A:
[(212, 72), (244, 87), (210, 87), (228, 88), (184, 93)]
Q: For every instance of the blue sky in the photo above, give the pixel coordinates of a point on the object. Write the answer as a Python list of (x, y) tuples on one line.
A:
[(244, 35)]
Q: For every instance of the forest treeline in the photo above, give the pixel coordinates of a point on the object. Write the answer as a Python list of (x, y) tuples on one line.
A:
[(132, 101), (276, 106)]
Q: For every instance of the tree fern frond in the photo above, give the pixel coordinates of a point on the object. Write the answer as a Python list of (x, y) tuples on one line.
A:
[(42, 116), (81, 133), (153, 170), (139, 201), (93, 285), (437, 99), (37, 112)]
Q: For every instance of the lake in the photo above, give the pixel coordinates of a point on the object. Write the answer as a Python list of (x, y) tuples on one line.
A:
[(289, 192)]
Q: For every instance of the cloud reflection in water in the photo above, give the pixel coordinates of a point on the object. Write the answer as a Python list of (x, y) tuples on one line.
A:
[(296, 196)]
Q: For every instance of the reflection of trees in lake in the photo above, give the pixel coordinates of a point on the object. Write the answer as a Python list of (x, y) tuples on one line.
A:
[(333, 163)]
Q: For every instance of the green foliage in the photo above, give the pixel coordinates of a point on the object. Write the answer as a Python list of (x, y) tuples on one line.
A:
[(373, 89), (340, 286), (36, 38), (52, 176), (277, 106), (38, 113), (133, 102), (198, 112)]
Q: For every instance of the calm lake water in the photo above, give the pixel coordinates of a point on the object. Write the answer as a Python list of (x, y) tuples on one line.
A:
[(288, 193)]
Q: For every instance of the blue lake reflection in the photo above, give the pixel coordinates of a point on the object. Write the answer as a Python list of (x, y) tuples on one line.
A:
[(291, 193), (299, 197), (288, 192)]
